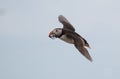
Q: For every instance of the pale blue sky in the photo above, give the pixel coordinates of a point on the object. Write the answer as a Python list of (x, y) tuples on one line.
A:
[(26, 52)]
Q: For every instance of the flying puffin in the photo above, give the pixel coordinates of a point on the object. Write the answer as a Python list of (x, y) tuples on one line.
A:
[(68, 34)]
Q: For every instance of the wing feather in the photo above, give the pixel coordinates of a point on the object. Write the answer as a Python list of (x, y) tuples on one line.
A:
[(66, 23), (78, 43)]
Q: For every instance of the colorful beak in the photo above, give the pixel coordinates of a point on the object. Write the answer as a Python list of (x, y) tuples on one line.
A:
[(50, 34)]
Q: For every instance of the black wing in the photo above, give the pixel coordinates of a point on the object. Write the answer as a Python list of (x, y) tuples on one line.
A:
[(80, 46), (66, 23)]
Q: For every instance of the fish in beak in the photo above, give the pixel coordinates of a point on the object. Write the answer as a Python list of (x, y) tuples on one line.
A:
[(52, 35)]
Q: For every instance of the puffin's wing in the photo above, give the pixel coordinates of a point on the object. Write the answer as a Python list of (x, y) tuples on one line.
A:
[(66, 23), (85, 42), (78, 43)]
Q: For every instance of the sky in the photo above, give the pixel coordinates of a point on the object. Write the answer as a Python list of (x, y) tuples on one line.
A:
[(26, 51)]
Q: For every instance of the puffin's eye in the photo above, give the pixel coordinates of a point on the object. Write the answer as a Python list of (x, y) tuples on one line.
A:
[(56, 30)]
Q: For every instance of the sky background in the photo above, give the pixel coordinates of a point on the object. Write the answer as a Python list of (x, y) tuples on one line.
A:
[(26, 51)]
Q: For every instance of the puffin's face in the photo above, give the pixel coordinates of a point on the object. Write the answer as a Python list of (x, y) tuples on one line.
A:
[(55, 33)]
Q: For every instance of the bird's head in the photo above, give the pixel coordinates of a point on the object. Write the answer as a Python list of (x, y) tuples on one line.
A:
[(55, 33)]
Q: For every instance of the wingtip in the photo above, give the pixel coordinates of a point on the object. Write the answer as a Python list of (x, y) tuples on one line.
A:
[(60, 16), (90, 60)]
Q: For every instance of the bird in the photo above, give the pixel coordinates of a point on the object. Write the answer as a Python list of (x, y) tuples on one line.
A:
[(68, 34)]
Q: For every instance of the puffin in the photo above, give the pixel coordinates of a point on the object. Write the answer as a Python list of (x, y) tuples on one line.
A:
[(68, 35)]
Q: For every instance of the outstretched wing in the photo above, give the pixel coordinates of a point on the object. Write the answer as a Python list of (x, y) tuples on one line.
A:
[(66, 23), (79, 44)]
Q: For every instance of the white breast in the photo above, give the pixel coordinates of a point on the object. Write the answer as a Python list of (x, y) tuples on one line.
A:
[(64, 38)]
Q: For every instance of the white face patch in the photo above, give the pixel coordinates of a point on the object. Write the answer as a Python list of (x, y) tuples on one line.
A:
[(57, 31)]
